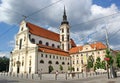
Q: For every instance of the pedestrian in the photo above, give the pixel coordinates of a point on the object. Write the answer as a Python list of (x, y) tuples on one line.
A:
[(56, 74)]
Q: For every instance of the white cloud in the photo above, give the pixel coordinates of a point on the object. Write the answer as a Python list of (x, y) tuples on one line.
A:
[(6, 54), (78, 12)]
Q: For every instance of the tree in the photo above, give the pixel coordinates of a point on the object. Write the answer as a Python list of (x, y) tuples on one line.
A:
[(50, 68), (109, 56), (103, 65), (4, 64), (70, 68), (61, 67), (97, 63), (118, 60), (90, 62)]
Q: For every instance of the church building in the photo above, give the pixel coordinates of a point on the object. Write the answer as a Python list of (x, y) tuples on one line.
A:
[(40, 50)]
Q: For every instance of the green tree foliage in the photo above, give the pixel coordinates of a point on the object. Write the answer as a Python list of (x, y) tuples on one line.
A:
[(118, 60), (61, 67), (108, 55), (99, 64), (51, 68), (70, 68), (90, 62), (103, 65), (4, 64)]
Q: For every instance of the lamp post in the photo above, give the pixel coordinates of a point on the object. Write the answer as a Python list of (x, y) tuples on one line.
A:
[(107, 59)]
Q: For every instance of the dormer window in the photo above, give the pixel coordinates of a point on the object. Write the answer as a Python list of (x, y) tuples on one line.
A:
[(40, 42), (33, 40), (58, 46), (53, 45), (47, 44)]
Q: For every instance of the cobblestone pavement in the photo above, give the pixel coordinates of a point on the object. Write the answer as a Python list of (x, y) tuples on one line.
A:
[(99, 79)]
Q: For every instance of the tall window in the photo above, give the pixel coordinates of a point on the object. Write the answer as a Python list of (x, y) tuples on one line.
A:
[(29, 62), (22, 29), (68, 46), (50, 56), (62, 30), (77, 62), (58, 46), (68, 30), (68, 37), (41, 55), (46, 56), (62, 37), (63, 46), (81, 61), (20, 44)]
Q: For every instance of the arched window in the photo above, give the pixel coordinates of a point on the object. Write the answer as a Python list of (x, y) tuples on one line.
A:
[(63, 63), (47, 44), (53, 45), (41, 61), (40, 42), (33, 40), (20, 44), (57, 62), (49, 62)]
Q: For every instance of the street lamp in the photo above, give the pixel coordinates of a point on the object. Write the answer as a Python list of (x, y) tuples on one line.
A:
[(107, 59)]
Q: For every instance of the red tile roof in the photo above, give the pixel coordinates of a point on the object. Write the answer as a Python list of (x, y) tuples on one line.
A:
[(97, 46), (72, 43), (39, 31), (48, 49), (75, 49)]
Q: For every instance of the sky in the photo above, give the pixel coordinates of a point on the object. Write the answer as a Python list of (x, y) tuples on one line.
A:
[(88, 20)]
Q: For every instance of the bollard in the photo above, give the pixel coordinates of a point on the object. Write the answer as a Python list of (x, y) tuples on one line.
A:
[(78, 75), (32, 76), (66, 75)]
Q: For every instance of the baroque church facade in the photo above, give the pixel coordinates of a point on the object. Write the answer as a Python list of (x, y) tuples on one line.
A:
[(38, 50)]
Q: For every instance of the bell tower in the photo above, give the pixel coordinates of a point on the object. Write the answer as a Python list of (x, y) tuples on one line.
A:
[(65, 33)]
